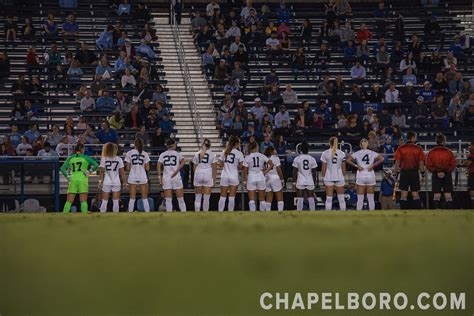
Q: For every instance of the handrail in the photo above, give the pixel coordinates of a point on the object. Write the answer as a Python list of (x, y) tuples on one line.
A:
[(191, 96)]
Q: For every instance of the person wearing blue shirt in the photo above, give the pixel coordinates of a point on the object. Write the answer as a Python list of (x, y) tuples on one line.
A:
[(123, 8), (381, 15), (107, 134), (103, 69), (386, 190), (120, 65), (323, 111), (352, 194), (15, 137), (166, 125), (105, 40), (283, 13), (74, 72), (144, 50), (70, 26), (427, 93), (409, 77), (32, 134), (105, 103)]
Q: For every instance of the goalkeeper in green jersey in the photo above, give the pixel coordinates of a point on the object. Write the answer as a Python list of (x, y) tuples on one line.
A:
[(76, 169)]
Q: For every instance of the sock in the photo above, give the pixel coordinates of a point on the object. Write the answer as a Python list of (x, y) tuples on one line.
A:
[(360, 202), (371, 200), (67, 207), (312, 204), (182, 204), (417, 204), (268, 206), (299, 203), (281, 205), (252, 206), (84, 207), (103, 206), (222, 203), (197, 202), (146, 206), (449, 204), (328, 203), (436, 204), (205, 202), (116, 206), (231, 203), (131, 205), (169, 204), (403, 204), (263, 206), (342, 202)]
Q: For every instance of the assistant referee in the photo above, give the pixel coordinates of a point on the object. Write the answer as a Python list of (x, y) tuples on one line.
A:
[(441, 163), (409, 160)]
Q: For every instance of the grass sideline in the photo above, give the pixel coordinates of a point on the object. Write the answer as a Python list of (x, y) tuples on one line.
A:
[(220, 263)]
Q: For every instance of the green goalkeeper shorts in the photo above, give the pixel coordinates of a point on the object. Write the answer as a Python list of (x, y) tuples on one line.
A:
[(78, 186)]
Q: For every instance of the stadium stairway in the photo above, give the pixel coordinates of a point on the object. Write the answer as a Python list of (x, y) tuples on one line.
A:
[(189, 141)]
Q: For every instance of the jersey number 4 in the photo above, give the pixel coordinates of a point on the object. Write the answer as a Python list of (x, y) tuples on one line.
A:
[(366, 159)]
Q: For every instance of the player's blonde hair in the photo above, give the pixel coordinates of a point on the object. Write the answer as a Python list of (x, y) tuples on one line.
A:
[(364, 143), (109, 150), (233, 140), (206, 144), (253, 147), (333, 143)]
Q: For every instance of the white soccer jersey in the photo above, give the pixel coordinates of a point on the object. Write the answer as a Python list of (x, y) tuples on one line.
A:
[(170, 160), (365, 158), (137, 163), (333, 165), (305, 165), (204, 164), (256, 163), (276, 163), (111, 168), (231, 164)]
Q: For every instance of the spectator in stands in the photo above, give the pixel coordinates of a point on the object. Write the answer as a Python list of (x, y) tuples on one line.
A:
[(103, 69), (397, 53), (349, 53), (160, 110), (148, 34), (416, 48), (440, 86), (409, 76), (70, 134), (98, 85), (208, 61), (4, 65), (283, 13), (128, 80), (433, 62), (145, 50), (322, 58), (408, 95), (357, 95), (408, 62), (385, 117), (141, 13), (358, 72), (105, 104), (325, 87), (166, 124), (85, 56), (151, 119), (289, 96), (363, 51), (116, 121), (10, 28), (122, 103), (399, 118), (107, 134), (323, 110), (369, 116), (438, 109), (376, 94), (143, 135), (456, 84), (221, 73), (23, 146), (317, 121), (49, 27), (455, 105), (232, 88), (31, 112), (381, 15), (32, 134), (363, 34), (28, 30), (427, 93), (105, 40), (14, 137), (133, 119), (124, 8), (273, 45), (299, 63), (382, 60), (347, 34), (32, 60), (267, 142), (74, 72), (257, 109), (158, 139), (456, 47), (392, 95), (53, 57), (238, 74), (70, 27), (306, 33), (46, 152), (227, 122), (19, 87)]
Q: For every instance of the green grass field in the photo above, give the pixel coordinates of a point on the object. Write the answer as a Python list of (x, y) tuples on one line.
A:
[(219, 264)]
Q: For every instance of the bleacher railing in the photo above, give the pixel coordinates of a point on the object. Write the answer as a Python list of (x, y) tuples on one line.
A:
[(191, 95)]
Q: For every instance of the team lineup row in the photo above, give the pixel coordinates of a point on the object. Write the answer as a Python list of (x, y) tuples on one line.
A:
[(261, 174)]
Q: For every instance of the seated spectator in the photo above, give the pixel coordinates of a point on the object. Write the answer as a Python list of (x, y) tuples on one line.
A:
[(221, 72), (128, 80), (408, 62), (376, 95), (4, 65), (227, 121), (438, 109), (409, 77), (289, 96), (374, 144), (283, 13), (105, 40), (49, 27), (10, 29), (23, 146), (236, 45), (160, 110), (158, 139), (322, 58), (273, 44), (31, 112), (145, 50), (103, 69), (440, 86), (357, 95), (124, 8), (409, 94), (134, 118), (317, 121), (450, 60), (427, 93), (70, 27), (275, 96), (143, 135), (85, 56), (399, 119), (299, 63), (53, 57), (369, 116), (238, 124), (456, 47), (116, 121), (98, 85), (46, 152), (392, 95), (455, 104), (141, 13), (456, 84), (232, 88), (238, 74), (105, 104), (32, 134), (347, 34), (358, 72), (148, 34), (257, 110), (382, 59), (363, 51), (32, 59), (280, 144), (267, 142), (107, 134), (28, 30), (122, 103), (129, 49), (208, 61), (363, 34), (36, 88), (166, 125), (75, 72), (325, 87), (381, 15), (349, 53)]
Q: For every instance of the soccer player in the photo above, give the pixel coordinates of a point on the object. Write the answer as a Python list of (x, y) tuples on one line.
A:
[(333, 170), (366, 161), (304, 177), (274, 179), (256, 165), (230, 162), (205, 171), (441, 163), (76, 170), (172, 162), (470, 172), (138, 163), (111, 176), (409, 160)]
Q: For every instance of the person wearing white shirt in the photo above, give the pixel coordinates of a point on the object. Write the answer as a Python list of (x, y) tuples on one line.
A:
[(304, 177), (333, 170), (230, 161), (213, 5), (256, 166), (205, 171), (87, 102), (274, 180), (392, 94), (138, 163), (111, 176), (171, 162)]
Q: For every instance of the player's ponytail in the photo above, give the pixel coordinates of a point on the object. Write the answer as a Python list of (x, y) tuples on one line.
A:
[(333, 142), (233, 140), (79, 147), (253, 147), (364, 143), (206, 144), (109, 150), (139, 145)]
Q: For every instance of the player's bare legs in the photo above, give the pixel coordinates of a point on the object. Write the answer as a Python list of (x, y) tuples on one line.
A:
[(329, 193), (133, 195), (340, 197), (261, 199), (69, 200), (252, 196), (206, 198), (311, 201), (180, 197), (197, 198), (232, 193), (224, 191)]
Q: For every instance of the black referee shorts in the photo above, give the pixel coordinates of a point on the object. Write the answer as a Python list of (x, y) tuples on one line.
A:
[(444, 184), (470, 182), (409, 180)]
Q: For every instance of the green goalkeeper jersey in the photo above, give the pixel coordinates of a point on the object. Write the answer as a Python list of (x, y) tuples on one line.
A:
[(77, 165)]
